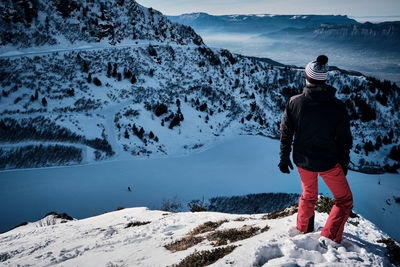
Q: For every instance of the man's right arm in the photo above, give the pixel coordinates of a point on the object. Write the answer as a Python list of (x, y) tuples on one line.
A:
[(344, 138), (286, 135)]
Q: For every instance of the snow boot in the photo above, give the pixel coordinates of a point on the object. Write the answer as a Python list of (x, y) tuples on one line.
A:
[(293, 231), (326, 242)]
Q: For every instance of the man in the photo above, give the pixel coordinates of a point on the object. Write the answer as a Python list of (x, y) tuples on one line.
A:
[(322, 142)]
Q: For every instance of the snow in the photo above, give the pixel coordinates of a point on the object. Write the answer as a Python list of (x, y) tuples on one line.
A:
[(105, 240), (265, 15), (191, 16), (190, 162)]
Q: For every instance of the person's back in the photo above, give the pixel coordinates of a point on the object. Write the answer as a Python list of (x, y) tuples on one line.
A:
[(319, 123), (322, 142)]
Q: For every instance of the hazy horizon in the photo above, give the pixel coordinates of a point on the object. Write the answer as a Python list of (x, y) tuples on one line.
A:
[(356, 8), (379, 64), (361, 19)]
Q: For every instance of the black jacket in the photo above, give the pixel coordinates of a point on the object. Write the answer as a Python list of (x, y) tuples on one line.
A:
[(320, 124)]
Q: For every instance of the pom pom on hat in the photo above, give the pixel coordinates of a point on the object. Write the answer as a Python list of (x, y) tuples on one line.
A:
[(322, 60), (317, 71)]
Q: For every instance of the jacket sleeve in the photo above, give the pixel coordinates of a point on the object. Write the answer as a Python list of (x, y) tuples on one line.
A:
[(344, 139), (287, 131)]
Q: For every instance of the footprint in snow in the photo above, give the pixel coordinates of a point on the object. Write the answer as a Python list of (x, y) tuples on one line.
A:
[(309, 242), (173, 228), (267, 253), (109, 233)]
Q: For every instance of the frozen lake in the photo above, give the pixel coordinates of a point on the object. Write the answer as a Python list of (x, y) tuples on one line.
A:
[(237, 166)]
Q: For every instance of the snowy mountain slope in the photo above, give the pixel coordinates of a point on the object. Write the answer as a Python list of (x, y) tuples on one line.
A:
[(158, 97), (31, 23), (214, 92), (140, 237)]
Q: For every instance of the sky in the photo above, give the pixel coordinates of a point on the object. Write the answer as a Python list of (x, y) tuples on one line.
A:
[(354, 8)]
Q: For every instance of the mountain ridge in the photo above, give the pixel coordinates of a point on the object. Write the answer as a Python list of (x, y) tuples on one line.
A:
[(36, 23), (260, 22), (337, 29)]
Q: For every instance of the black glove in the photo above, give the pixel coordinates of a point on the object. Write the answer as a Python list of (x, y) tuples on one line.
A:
[(344, 161), (284, 166), (345, 168)]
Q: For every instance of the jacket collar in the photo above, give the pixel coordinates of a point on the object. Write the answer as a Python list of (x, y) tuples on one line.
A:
[(319, 92)]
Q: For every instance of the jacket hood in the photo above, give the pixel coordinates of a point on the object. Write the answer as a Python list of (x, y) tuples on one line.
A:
[(319, 92)]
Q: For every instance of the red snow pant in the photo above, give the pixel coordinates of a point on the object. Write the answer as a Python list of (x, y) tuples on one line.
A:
[(336, 181)]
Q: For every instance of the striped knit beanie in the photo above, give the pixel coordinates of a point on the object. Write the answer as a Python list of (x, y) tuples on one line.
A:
[(317, 71)]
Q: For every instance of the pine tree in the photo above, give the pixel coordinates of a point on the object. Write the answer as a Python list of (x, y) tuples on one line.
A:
[(46, 24), (391, 134), (85, 66), (161, 109), (109, 69), (151, 135), (71, 92), (115, 70), (96, 81), (378, 143), (133, 79), (175, 121), (44, 101), (127, 74), (141, 133), (395, 153)]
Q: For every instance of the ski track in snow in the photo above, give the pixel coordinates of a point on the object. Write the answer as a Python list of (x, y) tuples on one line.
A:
[(110, 128), (104, 240)]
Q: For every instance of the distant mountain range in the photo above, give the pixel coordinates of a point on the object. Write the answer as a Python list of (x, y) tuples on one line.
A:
[(257, 23), (384, 34), (336, 29)]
